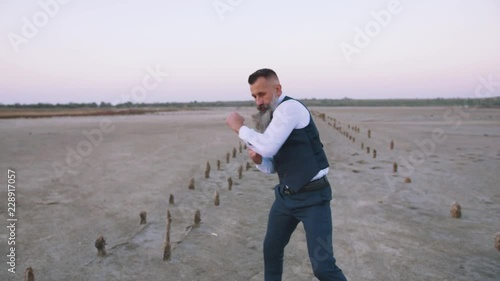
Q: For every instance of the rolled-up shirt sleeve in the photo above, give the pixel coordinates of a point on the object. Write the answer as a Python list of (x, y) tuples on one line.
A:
[(287, 116)]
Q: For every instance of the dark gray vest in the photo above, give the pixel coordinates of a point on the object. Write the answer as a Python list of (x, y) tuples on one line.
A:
[(301, 157)]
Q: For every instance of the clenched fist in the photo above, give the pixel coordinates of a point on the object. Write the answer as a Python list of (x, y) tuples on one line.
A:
[(235, 121)]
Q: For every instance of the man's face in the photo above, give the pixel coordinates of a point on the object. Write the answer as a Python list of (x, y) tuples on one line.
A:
[(265, 92)]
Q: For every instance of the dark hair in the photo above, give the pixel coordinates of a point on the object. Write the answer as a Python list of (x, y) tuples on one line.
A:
[(264, 72)]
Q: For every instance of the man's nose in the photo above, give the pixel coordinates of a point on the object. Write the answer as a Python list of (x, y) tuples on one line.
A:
[(259, 101)]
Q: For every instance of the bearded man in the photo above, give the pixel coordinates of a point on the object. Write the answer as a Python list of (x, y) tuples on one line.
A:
[(289, 144)]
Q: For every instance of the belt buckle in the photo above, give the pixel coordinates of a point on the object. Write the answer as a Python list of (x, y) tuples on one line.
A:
[(287, 190)]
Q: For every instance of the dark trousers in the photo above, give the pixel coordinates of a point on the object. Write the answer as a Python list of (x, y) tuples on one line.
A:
[(313, 210)]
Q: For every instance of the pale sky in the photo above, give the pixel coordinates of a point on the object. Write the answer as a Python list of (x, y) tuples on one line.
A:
[(93, 51)]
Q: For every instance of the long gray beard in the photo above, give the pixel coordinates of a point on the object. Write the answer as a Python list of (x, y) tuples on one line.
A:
[(262, 120), (263, 117)]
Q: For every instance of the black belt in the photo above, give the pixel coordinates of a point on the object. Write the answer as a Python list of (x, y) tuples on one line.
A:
[(314, 185)]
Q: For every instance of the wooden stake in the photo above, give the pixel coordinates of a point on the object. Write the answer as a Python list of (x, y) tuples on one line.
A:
[(100, 244), (456, 210), (216, 198), (167, 248), (29, 275), (143, 216), (240, 172), (197, 218)]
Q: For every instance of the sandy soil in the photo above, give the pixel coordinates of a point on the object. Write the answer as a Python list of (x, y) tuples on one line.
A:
[(384, 229)]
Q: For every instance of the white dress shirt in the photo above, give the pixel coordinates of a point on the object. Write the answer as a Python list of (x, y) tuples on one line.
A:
[(289, 115)]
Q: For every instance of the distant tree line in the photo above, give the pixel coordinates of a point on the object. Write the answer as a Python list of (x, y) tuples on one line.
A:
[(486, 102), (129, 105)]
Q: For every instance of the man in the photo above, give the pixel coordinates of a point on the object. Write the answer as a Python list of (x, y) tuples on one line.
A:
[(290, 146)]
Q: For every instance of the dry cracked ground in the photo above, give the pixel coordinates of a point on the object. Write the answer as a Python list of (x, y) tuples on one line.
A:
[(384, 229)]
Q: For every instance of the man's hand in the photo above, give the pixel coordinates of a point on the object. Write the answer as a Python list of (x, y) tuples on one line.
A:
[(235, 121), (256, 158)]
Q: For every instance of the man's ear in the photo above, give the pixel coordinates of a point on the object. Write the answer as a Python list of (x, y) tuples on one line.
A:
[(278, 89)]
